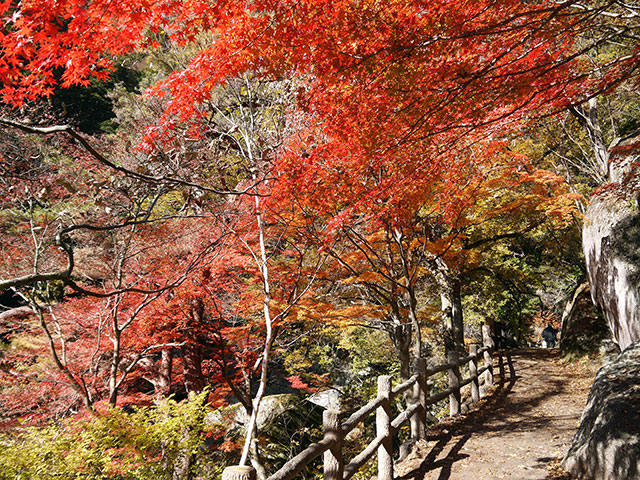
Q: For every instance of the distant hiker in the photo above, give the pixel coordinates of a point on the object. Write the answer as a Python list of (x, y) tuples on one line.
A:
[(549, 336)]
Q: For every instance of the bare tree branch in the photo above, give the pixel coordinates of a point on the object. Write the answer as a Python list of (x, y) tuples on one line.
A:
[(162, 179)]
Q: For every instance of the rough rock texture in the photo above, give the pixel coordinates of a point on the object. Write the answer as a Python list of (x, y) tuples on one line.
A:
[(611, 244), (607, 444), (272, 406)]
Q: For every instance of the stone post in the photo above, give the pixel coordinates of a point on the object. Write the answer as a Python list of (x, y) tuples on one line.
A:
[(333, 463), (473, 373), (383, 429), (239, 473), (454, 383)]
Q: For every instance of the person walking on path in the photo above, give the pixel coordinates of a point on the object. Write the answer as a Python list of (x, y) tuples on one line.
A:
[(548, 335)]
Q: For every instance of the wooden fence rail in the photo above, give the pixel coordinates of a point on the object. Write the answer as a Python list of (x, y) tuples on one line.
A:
[(335, 431)]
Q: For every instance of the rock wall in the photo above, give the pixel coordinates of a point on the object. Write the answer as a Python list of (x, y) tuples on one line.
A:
[(607, 444), (611, 244)]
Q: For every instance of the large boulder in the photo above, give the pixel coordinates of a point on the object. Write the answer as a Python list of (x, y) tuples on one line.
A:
[(611, 244), (272, 406), (607, 444)]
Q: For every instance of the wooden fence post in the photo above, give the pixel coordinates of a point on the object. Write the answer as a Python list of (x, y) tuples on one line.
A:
[(512, 369), (333, 464), (487, 341), (419, 421), (473, 373), (454, 383), (239, 473), (383, 429)]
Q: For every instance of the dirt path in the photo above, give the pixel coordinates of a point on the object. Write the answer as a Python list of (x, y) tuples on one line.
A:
[(521, 431)]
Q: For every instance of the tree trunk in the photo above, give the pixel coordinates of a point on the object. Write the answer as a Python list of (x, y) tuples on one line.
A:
[(78, 385), (254, 455), (400, 334), (451, 303), (588, 118), (115, 364), (194, 380), (250, 448), (402, 343), (415, 325), (456, 321), (163, 383), (411, 294)]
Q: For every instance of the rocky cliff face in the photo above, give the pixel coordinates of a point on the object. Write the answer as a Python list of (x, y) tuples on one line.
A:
[(611, 244), (607, 444)]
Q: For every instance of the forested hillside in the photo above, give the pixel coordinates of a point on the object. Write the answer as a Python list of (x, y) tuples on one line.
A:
[(207, 203)]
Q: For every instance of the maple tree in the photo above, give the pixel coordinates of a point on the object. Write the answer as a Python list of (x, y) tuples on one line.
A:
[(517, 58), (115, 234), (253, 117), (98, 342), (164, 212), (506, 199), (382, 263), (420, 63)]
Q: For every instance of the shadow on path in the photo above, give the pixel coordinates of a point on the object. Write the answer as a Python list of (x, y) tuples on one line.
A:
[(523, 414), (464, 425)]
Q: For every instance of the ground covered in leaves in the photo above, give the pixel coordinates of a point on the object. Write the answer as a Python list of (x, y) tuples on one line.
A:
[(521, 430)]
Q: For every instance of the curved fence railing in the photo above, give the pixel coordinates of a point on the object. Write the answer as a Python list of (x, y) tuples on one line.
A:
[(335, 430)]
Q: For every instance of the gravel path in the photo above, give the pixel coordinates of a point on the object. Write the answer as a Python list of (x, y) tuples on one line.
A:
[(520, 431)]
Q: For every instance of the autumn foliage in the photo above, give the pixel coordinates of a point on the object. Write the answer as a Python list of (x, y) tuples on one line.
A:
[(292, 171)]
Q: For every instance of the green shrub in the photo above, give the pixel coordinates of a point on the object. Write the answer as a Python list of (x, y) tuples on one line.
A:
[(160, 442)]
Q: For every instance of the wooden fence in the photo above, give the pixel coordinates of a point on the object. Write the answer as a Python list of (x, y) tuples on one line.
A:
[(415, 414)]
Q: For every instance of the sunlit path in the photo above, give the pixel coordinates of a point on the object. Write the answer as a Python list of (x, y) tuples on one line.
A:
[(519, 432)]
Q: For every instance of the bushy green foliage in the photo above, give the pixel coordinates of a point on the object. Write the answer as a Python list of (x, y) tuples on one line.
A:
[(165, 441)]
